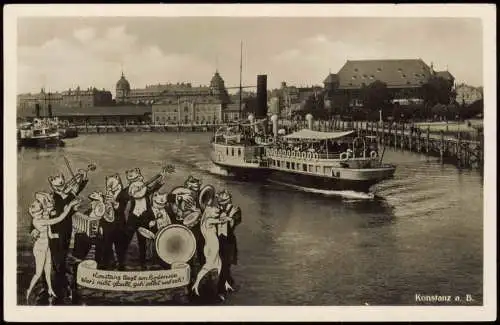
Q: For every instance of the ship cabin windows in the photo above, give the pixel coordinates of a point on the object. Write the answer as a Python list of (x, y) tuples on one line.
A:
[(239, 152), (318, 169), (293, 165), (304, 167), (232, 152), (278, 163), (287, 165), (311, 168), (227, 151)]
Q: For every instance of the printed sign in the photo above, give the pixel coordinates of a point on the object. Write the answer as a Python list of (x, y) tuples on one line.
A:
[(90, 277)]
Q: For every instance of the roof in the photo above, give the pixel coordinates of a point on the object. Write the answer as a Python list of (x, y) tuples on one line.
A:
[(306, 134), (118, 110), (123, 83), (332, 78), (395, 73), (445, 75)]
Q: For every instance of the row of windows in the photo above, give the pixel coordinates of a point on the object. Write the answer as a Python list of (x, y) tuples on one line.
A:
[(186, 109), (233, 152), (186, 119), (295, 166)]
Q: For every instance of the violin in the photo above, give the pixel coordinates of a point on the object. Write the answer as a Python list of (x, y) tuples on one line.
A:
[(78, 178)]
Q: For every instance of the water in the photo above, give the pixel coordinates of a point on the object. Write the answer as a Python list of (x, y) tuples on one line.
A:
[(421, 233)]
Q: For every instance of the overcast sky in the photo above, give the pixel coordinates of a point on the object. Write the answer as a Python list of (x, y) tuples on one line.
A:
[(60, 53)]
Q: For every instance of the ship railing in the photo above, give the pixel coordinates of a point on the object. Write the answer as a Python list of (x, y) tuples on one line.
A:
[(303, 155), (306, 155)]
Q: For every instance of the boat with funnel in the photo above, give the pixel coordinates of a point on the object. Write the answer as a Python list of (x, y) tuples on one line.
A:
[(40, 133), (305, 159)]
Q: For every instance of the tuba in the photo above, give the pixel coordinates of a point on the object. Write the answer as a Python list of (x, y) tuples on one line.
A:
[(206, 197)]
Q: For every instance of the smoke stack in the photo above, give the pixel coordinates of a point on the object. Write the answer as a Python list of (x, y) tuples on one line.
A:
[(261, 111), (309, 119)]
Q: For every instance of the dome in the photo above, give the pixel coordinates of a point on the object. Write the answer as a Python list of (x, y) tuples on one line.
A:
[(217, 81), (123, 83)]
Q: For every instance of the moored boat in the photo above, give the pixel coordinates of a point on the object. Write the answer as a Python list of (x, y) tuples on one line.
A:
[(306, 159), (39, 134)]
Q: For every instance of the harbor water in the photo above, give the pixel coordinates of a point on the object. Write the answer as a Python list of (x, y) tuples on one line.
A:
[(422, 233)]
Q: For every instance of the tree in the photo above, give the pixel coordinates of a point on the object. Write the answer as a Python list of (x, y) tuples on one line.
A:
[(376, 96), (472, 110), (437, 90)]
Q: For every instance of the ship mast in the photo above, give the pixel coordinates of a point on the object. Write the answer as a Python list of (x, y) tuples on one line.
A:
[(241, 68)]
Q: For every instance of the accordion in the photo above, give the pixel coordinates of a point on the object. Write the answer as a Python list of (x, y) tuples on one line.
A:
[(84, 224)]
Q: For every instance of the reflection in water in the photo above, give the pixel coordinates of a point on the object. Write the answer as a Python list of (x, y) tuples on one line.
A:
[(422, 232)]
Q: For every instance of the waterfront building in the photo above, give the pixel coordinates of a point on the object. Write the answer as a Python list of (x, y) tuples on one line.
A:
[(187, 109), (405, 79), (157, 93), (466, 95), (43, 101), (89, 97), (184, 103), (115, 114), (70, 98)]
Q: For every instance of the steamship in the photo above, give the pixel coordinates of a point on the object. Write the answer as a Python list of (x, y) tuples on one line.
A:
[(40, 133), (306, 159)]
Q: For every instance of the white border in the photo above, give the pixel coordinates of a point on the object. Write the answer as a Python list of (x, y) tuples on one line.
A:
[(296, 313)]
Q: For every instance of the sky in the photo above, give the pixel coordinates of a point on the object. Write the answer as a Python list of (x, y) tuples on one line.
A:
[(60, 53)]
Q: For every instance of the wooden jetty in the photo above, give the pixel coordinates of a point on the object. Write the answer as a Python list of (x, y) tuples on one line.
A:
[(460, 148)]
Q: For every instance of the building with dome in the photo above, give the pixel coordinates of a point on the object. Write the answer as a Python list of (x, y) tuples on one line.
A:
[(185, 103), (122, 90)]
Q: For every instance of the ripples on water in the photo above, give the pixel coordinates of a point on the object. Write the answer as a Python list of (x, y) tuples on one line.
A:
[(421, 233)]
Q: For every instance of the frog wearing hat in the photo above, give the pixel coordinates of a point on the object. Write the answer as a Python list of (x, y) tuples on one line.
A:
[(231, 214), (107, 230)]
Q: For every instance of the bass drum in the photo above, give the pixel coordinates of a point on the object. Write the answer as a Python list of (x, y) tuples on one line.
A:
[(207, 196), (175, 244)]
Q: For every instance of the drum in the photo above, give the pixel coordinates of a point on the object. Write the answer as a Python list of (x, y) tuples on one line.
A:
[(175, 244), (192, 219)]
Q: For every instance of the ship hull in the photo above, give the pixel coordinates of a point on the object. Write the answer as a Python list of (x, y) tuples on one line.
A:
[(244, 173), (68, 133), (321, 183), (41, 142), (307, 181)]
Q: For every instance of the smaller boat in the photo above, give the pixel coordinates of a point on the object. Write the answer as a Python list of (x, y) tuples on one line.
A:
[(40, 133), (68, 131)]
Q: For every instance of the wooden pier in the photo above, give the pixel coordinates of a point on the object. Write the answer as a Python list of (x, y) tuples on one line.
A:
[(459, 148)]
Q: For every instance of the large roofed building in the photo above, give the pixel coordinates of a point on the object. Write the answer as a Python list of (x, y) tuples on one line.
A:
[(115, 114), (404, 77)]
